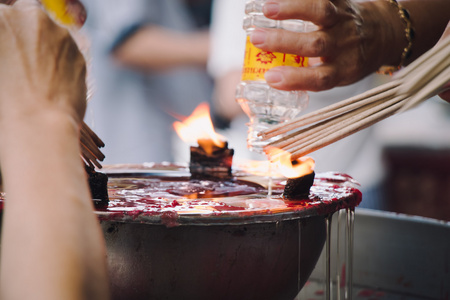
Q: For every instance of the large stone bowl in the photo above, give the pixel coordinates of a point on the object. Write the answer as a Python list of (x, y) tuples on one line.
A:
[(251, 261), (231, 254)]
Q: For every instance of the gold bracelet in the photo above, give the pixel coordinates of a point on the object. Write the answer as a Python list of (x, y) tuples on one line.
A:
[(409, 35)]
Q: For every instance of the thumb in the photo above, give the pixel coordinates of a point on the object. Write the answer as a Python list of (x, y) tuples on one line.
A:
[(7, 2), (25, 3)]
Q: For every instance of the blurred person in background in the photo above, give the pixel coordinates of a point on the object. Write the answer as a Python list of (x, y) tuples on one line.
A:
[(148, 63)]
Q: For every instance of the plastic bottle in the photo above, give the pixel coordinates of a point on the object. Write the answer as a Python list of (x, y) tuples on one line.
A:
[(266, 106)]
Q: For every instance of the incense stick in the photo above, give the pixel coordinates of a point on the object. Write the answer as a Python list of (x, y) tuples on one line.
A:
[(318, 131), (90, 144), (421, 80), (334, 109)]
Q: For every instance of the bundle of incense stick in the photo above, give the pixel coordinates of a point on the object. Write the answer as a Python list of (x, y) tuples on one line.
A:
[(419, 81), (90, 144)]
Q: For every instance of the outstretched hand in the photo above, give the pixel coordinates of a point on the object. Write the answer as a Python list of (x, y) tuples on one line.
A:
[(31, 79), (341, 42), (353, 40), (73, 9)]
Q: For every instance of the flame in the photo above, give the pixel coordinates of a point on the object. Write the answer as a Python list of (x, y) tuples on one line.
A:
[(280, 165), (288, 168), (199, 128), (257, 167)]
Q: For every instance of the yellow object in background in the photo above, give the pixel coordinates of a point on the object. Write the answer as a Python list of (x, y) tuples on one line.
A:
[(67, 13)]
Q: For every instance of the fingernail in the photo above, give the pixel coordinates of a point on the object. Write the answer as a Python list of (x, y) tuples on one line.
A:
[(273, 76), (258, 37), (271, 9)]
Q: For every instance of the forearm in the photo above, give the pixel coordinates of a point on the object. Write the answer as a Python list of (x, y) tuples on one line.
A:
[(51, 239), (225, 104), (389, 28), (429, 26), (156, 48)]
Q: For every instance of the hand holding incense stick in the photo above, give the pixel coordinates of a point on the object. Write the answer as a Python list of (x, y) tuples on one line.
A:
[(416, 83)]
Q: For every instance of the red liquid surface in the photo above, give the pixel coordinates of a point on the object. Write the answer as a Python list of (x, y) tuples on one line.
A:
[(169, 198), (165, 196)]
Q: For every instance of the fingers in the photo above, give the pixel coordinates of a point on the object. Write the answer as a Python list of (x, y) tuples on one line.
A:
[(77, 9), (20, 5), (310, 44), (33, 44), (320, 12), (338, 43), (25, 3), (7, 2), (66, 12), (318, 78), (21, 12)]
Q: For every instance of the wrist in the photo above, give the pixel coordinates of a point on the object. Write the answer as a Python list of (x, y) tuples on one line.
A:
[(23, 115), (386, 33), (199, 43), (40, 150), (36, 134)]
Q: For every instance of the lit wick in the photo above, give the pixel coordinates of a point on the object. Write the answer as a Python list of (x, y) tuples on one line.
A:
[(209, 160), (300, 173), (298, 188), (212, 158)]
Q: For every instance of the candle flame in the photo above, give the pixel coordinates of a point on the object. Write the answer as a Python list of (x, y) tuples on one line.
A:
[(288, 168), (280, 165), (258, 168), (199, 128)]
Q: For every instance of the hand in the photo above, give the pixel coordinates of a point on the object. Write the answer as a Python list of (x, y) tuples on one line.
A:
[(41, 66), (343, 44), (74, 8), (77, 9), (353, 39), (42, 102)]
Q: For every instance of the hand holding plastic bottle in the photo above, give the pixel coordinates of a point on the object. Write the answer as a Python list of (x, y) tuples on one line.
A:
[(354, 39)]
